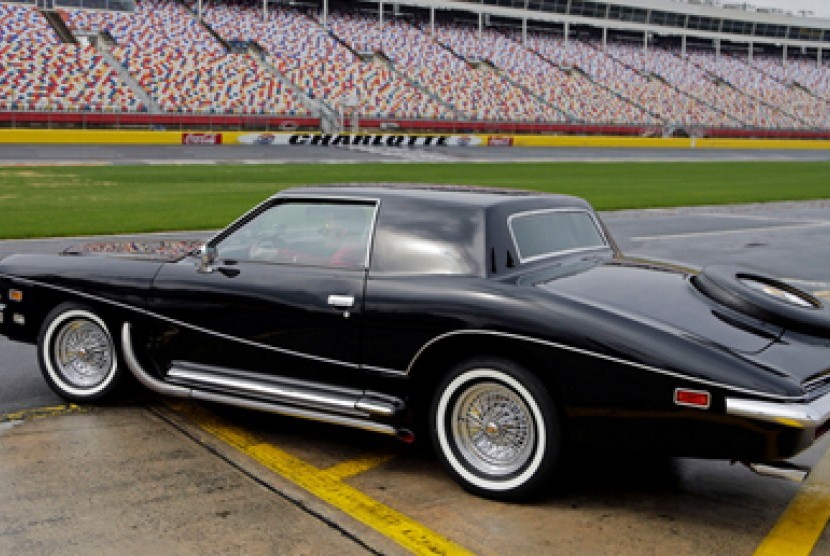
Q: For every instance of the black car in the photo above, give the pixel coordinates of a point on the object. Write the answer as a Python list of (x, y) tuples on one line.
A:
[(505, 325)]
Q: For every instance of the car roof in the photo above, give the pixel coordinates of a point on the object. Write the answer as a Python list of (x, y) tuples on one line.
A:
[(464, 195)]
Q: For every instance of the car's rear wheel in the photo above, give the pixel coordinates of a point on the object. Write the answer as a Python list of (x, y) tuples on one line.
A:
[(495, 428), (77, 354)]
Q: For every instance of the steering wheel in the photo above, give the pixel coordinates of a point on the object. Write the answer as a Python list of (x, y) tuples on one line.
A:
[(268, 247)]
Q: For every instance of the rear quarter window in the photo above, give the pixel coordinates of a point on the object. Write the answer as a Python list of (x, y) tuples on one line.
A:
[(540, 234)]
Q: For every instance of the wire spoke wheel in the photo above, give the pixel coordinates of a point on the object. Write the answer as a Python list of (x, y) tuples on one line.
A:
[(495, 428), (82, 353), (77, 354)]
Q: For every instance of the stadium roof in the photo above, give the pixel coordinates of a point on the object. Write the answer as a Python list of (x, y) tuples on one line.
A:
[(730, 21)]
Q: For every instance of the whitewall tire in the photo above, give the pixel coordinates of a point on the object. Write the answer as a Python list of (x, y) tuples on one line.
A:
[(77, 354), (495, 428)]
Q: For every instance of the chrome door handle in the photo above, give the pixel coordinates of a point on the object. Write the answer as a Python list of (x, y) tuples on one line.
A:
[(341, 301)]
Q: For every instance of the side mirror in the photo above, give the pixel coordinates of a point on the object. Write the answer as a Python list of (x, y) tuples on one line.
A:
[(207, 257)]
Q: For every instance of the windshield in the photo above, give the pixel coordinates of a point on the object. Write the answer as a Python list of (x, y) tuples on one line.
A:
[(540, 234)]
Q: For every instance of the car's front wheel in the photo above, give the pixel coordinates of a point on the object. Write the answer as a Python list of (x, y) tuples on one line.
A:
[(495, 428), (77, 354)]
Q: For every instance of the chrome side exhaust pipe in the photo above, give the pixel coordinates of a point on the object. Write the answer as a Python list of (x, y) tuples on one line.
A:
[(142, 376), (173, 390), (780, 470)]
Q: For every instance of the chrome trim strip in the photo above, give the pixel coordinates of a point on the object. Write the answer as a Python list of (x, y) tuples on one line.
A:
[(800, 415), (17, 279), (183, 324), (383, 370), (588, 353)]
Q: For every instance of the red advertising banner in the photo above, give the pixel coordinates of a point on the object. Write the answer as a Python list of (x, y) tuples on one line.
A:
[(201, 138), (499, 141)]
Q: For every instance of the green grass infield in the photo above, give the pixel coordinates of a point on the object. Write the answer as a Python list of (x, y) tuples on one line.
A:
[(85, 200)]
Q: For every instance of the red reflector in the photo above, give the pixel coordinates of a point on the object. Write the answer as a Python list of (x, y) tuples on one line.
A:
[(692, 398)]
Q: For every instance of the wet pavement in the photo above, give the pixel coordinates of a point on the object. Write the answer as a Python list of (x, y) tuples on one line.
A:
[(121, 480), (146, 477)]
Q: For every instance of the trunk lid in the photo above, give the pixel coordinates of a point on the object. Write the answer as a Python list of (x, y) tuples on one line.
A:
[(653, 293)]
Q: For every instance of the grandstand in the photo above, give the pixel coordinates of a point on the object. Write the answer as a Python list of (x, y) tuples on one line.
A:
[(635, 66)]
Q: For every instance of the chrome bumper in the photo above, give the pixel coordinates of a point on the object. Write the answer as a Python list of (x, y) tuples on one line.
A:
[(806, 415)]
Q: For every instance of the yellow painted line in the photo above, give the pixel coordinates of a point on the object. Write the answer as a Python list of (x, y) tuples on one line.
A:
[(326, 486), (41, 412), (825, 294), (803, 522), (355, 467)]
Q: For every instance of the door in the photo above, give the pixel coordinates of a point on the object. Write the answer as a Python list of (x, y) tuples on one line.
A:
[(284, 295)]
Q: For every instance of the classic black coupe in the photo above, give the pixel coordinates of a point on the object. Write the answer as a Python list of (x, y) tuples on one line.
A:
[(505, 325)]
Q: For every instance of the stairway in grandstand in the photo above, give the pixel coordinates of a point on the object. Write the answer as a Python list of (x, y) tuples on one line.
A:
[(100, 42), (253, 49), (484, 65), (96, 41), (314, 106), (59, 26), (765, 113), (801, 103), (45, 68), (677, 101), (381, 59), (184, 66), (126, 77)]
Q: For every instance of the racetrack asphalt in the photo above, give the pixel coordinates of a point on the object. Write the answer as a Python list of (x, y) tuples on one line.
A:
[(263, 154)]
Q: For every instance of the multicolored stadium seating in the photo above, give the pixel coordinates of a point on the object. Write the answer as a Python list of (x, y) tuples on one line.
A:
[(38, 72), (162, 58), (183, 67), (476, 91), (318, 64)]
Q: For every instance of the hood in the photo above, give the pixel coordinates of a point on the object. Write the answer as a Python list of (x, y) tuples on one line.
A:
[(125, 279), (662, 295), (163, 250)]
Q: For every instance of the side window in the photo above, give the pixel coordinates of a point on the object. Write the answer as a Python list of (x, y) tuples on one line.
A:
[(305, 233), (429, 240), (543, 233)]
